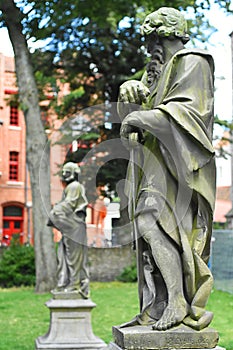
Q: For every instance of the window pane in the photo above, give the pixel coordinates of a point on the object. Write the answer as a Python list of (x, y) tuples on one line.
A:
[(13, 166), (6, 224), (12, 211), (14, 156), (14, 115), (17, 224)]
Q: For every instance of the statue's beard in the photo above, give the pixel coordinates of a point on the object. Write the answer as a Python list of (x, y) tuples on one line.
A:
[(154, 67)]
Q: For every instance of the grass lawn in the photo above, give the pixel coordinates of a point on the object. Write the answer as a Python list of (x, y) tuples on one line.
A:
[(24, 316)]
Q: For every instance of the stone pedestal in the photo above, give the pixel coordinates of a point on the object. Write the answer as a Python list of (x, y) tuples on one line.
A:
[(70, 324), (114, 346), (181, 337)]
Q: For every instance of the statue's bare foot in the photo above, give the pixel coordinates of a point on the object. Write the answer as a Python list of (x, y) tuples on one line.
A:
[(172, 316)]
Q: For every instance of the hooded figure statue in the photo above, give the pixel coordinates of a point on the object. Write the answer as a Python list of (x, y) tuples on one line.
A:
[(172, 174)]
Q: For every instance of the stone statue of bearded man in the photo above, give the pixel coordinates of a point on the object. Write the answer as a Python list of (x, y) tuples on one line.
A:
[(173, 174)]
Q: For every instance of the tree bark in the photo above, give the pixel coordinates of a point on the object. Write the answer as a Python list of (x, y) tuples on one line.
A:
[(37, 149)]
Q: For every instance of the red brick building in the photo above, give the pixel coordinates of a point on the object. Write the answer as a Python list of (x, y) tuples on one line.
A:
[(15, 194), (15, 191)]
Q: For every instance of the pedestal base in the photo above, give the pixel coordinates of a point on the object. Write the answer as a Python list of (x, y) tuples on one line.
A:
[(70, 325), (113, 346), (181, 337)]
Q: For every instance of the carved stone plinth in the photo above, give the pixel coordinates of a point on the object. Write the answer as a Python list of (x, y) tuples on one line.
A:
[(113, 346), (181, 337), (70, 324)]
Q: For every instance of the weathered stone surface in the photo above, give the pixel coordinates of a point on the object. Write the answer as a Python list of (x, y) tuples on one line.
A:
[(70, 326), (74, 295), (107, 263), (171, 181), (113, 346), (181, 337)]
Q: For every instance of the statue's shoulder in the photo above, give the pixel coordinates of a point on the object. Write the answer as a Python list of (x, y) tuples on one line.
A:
[(194, 52), (73, 185)]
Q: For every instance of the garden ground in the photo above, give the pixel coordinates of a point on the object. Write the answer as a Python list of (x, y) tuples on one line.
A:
[(24, 316)]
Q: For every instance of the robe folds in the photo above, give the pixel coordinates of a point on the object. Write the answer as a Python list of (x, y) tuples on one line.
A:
[(176, 179), (68, 216)]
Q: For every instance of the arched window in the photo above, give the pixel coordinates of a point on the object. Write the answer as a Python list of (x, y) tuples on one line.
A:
[(12, 210)]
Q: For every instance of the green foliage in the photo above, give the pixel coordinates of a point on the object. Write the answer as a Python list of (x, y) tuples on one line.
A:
[(95, 39), (129, 274), (112, 172), (219, 225), (224, 123), (46, 85), (95, 46), (70, 103), (98, 40), (17, 266)]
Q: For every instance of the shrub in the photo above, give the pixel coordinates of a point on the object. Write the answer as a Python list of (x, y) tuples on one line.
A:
[(129, 274), (17, 266)]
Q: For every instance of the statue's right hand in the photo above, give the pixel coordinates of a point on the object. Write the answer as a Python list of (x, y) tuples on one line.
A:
[(133, 91)]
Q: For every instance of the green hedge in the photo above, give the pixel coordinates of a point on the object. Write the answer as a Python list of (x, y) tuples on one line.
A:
[(129, 274), (17, 266)]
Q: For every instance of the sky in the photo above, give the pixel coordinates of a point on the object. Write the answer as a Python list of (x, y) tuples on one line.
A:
[(219, 46)]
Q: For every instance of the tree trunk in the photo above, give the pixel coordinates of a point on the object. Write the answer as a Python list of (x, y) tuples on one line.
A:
[(37, 150)]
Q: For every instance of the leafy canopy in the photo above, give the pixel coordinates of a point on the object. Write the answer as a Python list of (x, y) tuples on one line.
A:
[(94, 46)]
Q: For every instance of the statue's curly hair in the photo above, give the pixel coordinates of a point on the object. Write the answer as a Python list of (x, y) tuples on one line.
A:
[(168, 22)]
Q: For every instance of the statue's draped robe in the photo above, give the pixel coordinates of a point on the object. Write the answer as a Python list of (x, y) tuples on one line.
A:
[(65, 214), (68, 216), (177, 178)]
